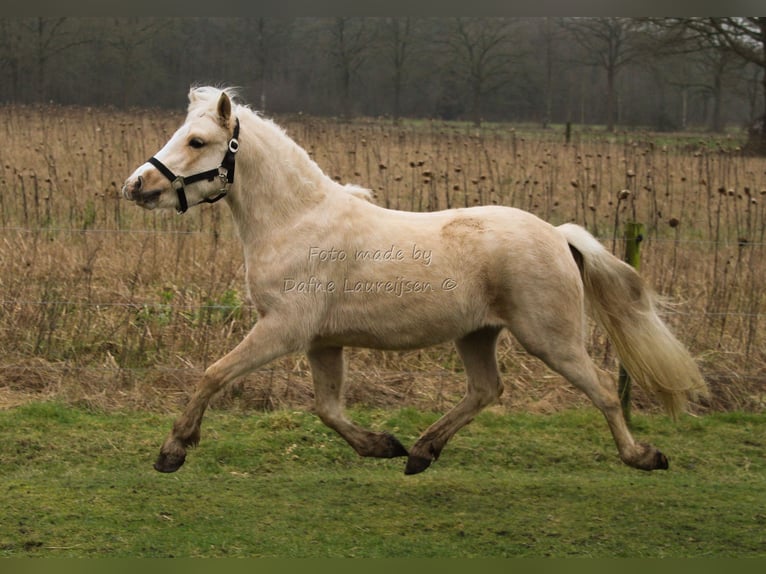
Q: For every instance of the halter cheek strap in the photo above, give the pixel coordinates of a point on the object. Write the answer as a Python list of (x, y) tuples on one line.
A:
[(225, 172)]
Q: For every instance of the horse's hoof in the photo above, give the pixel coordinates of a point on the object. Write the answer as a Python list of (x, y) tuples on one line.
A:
[(649, 459), (394, 448), (416, 464), (169, 462)]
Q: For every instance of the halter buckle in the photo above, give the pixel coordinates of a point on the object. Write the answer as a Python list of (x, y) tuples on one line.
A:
[(177, 183)]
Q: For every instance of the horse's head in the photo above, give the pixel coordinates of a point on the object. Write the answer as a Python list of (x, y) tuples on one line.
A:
[(197, 164)]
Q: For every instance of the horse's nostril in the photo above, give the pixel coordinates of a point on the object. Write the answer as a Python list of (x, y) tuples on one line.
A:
[(139, 183)]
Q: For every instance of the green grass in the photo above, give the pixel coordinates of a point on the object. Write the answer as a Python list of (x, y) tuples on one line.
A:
[(76, 483)]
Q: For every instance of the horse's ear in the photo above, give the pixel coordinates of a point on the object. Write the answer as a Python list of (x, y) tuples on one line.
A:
[(224, 108)]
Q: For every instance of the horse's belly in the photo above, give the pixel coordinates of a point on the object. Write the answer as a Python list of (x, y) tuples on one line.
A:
[(397, 322)]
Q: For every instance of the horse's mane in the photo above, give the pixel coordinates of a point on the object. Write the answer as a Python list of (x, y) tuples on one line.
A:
[(207, 96)]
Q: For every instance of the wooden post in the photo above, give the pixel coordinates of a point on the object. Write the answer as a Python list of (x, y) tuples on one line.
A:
[(634, 234)]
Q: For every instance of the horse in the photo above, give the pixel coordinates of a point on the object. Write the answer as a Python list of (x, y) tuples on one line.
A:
[(327, 268)]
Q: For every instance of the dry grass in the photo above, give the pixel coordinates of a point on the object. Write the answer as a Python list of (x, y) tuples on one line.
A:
[(108, 305)]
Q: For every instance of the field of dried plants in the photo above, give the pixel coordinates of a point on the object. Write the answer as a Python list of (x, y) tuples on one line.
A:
[(107, 305)]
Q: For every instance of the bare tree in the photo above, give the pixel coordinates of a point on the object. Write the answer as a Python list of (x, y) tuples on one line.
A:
[(549, 35), (264, 38), (397, 40), (482, 50), (746, 37), (705, 62), (126, 36), (350, 39), (260, 56), (610, 44), (53, 37), (10, 56)]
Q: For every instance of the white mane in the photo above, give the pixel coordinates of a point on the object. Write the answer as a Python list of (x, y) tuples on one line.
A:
[(205, 97)]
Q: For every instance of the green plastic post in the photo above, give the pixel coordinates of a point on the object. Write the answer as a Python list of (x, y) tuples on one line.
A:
[(634, 234)]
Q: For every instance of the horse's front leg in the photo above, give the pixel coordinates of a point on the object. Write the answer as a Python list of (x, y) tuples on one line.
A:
[(327, 369), (265, 342)]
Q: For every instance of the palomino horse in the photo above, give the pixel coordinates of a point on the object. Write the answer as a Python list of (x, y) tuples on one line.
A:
[(326, 269)]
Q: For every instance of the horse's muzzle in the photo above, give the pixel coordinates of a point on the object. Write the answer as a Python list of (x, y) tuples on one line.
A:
[(133, 190), (132, 187)]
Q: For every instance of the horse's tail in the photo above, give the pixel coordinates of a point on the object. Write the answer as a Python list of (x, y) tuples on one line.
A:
[(620, 302)]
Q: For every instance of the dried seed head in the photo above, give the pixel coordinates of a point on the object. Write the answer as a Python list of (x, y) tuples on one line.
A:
[(623, 195), (673, 222)]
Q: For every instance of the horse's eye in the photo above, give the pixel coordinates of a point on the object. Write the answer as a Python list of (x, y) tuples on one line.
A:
[(196, 143)]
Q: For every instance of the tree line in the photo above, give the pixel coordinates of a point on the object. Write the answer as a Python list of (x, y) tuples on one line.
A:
[(660, 73)]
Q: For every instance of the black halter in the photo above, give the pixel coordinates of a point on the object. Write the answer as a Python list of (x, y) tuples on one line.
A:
[(225, 172)]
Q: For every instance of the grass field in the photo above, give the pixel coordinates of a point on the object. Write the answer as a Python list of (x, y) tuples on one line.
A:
[(78, 483)]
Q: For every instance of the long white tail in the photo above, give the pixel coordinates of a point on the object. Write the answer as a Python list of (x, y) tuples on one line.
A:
[(626, 309)]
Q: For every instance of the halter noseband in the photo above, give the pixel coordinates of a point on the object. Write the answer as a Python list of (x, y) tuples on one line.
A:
[(225, 172)]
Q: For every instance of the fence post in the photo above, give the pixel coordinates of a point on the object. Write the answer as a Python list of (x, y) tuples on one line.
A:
[(634, 234)]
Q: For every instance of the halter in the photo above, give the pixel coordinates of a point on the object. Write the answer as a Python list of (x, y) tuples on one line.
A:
[(225, 172)]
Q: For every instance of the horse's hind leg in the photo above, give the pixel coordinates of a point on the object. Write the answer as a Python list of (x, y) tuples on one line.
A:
[(477, 350), (554, 334), (327, 369), (599, 387)]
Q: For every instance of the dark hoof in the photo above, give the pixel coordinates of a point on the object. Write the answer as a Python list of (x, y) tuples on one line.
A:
[(169, 462), (416, 464), (394, 448), (652, 459)]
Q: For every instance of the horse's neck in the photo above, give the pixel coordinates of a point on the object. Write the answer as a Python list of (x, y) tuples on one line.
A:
[(277, 184)]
